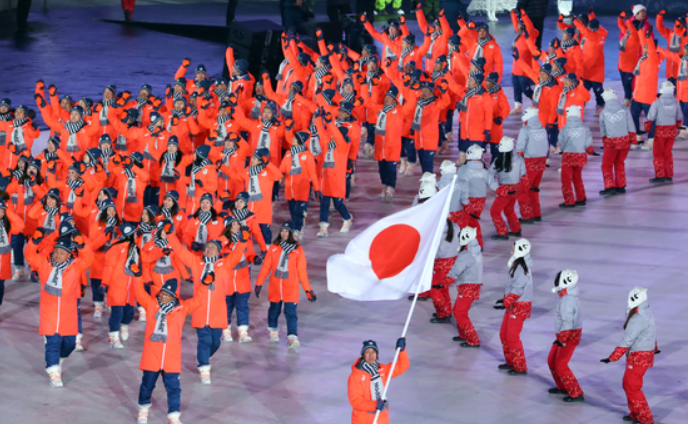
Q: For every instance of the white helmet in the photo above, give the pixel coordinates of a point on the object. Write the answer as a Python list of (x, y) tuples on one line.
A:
[(428, 177), (609, 94), (529, 113), (636, 297), (567, 278), (427, 190), (666, 88), (474, 152), (521, 250), (448, 167), (506, 144), (573, 111), (467, 234)]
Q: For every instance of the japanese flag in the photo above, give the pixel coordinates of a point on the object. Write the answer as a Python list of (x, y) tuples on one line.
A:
[(393, 256)]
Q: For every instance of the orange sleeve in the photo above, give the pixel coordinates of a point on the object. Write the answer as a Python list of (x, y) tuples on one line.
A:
[(310, 169), (301, 270), (264, 270), (358, 396), (422, 22)]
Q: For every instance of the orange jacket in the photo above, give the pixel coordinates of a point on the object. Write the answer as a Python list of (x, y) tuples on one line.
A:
[(120, 290), (672, 67), (127, 139), (438, 46), (500, 108), (254, 128), (491, 52), (383, 37), (298, 187), (388, 146), (645, 90), (266, 179), (360, 396), (593, 52), (59, 314), (165, 356), (159, 267), (236, 162), (183, 128), (333, 180), (16, 227), (428, 136), (207, 177), (549, 97), (522, 45), (629, 57), (239, 276), (251, 222), (21, 208), (152, 146), (29, 132), (100, 244), (681, 86), (300, 109), (214, 229), (281, 288), (38, 213), (579, 96), (130, 208)]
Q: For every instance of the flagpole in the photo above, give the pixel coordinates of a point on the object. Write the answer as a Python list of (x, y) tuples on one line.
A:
[(438, 232)]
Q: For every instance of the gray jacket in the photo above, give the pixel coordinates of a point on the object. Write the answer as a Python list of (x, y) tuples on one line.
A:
[(521, 283), (468, 268), (575, 137), (567, 315), (448, 249), (518, 169), (460, 193), (639, 335), (665, 111), (476, 176), (532, 140), (616, 120)]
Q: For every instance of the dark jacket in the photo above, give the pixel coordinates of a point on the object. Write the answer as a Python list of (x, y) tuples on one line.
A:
[(534, 8)]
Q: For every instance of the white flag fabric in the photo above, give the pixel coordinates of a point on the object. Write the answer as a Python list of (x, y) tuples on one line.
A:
[(393, 256)]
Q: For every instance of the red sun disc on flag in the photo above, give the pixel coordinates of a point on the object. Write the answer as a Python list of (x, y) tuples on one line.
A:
[(393, 250)]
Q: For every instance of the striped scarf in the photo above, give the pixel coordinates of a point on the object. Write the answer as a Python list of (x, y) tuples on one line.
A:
[(282, 269), (54, 284), (286, 109), (463, 104), (160, 331), (209, 269), (565, 45), (404, 53), (329, 156), (264, 140), (434, 36), (636, 71), (73, 185), (169, 162), (241, 214), (381, 124), (220, 93), (295, 162), (321, 72), (202, 232), (49, 221), (480, 51), (437, 74), (254, 193), (315, 141), (418, 115)]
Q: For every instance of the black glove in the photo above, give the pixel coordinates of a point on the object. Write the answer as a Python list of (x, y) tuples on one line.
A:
[(199, 183), (311, 296), (605, 360), (257, 260), (103, 290), (488, 135), (472, 215), (511, 192), (258, 289), (38, 236), (498, 120), (657, 352), (535, 189), (381, 405), (438, 286), (196, 247), (401, 343), (558, 343), (40, 100)]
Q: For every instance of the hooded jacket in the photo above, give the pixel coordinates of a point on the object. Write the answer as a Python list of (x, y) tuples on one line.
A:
[(616, 120), (575, 137), (447, 249), (518, 169), (468, 268), (521, 284), (459, 194), (665, 111), (639, 335), (532, 139), (567, 314), (476, 177)]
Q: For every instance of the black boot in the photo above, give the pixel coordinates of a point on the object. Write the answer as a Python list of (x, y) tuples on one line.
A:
[(537, 219), (445, 320), (434, 314), (628, 418), (498, 237), (505, 367), (621, 190), (516, 234), (465, 344), (574, 399), (514, 372), (556, 391), (458, 339), (668, 179), (608, 191), (581, 202), (564, 205), (657, 180), (526, 221)]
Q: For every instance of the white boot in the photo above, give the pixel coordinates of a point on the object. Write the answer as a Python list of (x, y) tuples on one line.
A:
[(402, 165), (346, 225), (298, 235), (115, 343), (143, 414), (124, 332), (227, 335), (173, 417), (409, 169), (205, 374), (648, 145), (142, 314), (323, 230), (97, 309), (293, 342), (627, 103), (55, 373), (382, 193), (518, 108), (389, 194), (79, 345), (683, 133), (19, 274), (274, 334), (243, 334)]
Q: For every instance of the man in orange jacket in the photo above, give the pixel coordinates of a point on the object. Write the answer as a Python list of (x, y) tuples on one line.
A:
[(592, 45), (367, 382)]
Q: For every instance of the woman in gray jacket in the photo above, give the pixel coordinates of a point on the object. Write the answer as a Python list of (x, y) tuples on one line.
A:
[(639, 345)]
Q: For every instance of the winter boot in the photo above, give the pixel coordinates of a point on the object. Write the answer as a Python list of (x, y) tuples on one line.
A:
[(518, 108), (557, 391), (173, 417), (142, 314), (382, 193), (298, 235), (389, 194), (205, 374), (79, 346), (611, 191), (444, 320), (115, 343), (143, 414), (243, 334), (648, 145), (574, 399), (293, 341), (274, 334), (346, 225), (55, 373), (97, 309), (227, 335), (19, 274), (409, 169), (323, 230), (124, 332), (402, 166)]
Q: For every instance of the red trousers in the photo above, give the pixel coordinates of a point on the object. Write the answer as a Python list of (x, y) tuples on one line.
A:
[(663, 157), (128, 5), (633, 386), (558, 362), (535, 167), (614, 167), (510, 336), (440, 297), (524, 199), (505, 204), (461, 307), (571, 174)]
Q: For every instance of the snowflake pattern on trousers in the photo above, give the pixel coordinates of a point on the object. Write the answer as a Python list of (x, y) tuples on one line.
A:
[(524, 199), (570, 336), (440, 297), (521, 309), (633, 386), (617, 143), (504, 202), (614, 167), (663, 157), (558, 361)]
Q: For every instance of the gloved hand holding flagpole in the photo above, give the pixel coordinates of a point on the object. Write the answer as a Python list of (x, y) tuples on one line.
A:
[(386, 260)]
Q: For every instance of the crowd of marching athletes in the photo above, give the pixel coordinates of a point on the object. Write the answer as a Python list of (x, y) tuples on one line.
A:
[(146, 192)]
